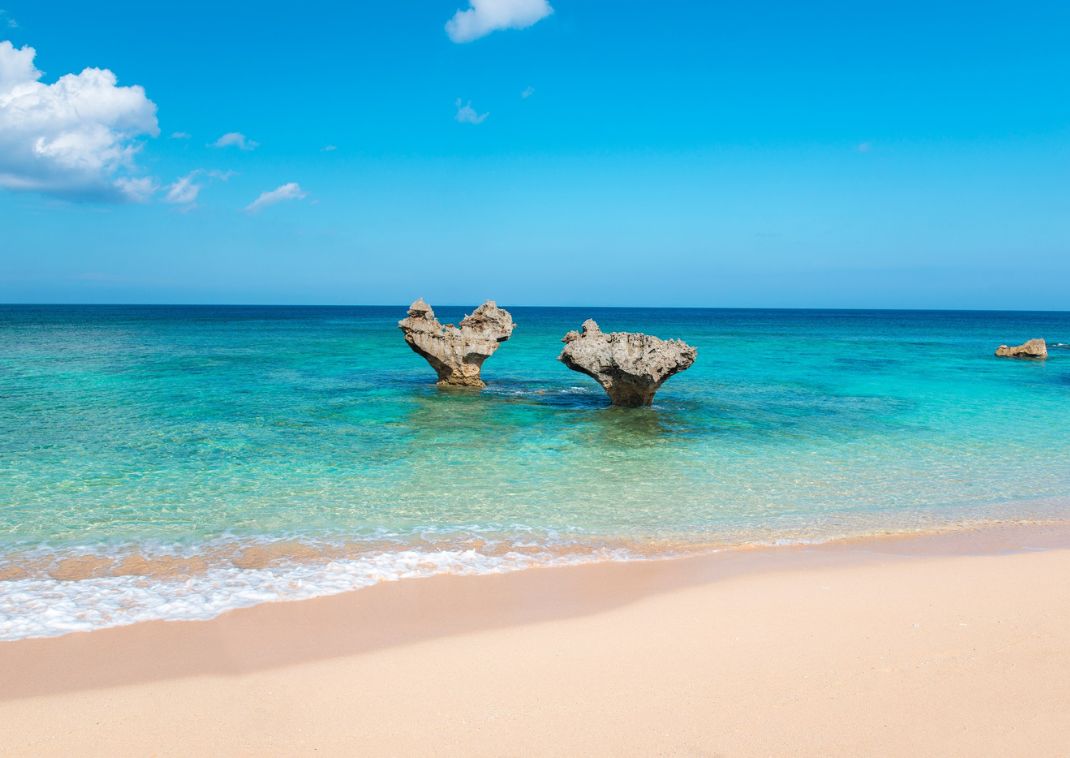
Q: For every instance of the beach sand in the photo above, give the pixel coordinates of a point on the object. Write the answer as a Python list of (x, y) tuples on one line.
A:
[(944, 645)]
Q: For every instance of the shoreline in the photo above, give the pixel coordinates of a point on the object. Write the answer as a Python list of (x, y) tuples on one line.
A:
[(127, 586), (753, 651), (630, 579), (978, 537)]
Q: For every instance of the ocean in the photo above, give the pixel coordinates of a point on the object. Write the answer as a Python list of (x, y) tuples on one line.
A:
[(175, 462)]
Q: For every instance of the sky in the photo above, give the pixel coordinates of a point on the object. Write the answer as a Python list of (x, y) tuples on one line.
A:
[(537, 152)]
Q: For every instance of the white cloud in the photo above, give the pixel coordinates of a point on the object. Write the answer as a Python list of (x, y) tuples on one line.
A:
[(236, 139), (137, 190), (329, 148), (180, 135), (7, 20), (466, 114), (288, 191), (528, 92), (485, 16), (74, 138), (864, 147), (184, 190)]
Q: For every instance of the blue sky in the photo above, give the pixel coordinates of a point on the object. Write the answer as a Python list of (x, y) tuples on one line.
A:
[(781, 154)]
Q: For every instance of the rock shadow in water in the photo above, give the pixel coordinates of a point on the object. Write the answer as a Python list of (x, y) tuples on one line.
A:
[(617, 427)]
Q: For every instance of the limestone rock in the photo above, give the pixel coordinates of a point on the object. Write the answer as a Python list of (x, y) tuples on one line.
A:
[(1031, 349), (630, 366), (455, 354)]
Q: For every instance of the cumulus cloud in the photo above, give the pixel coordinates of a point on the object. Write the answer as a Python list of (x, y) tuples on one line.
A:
[(485, 16), (236, 139), (466, 114), (75, 137), (288, 191)]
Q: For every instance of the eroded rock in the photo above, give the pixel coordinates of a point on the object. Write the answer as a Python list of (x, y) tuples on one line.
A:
[(1032, 349), (630, 366), (457, 355)]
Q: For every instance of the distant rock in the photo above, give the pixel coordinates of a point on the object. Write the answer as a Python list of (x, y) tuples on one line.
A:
[(1031, 349), (455, 354), (629, 366)]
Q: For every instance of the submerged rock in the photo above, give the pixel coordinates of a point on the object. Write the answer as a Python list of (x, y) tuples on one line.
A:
[(1032, 349), (455, 354), (630, 366)]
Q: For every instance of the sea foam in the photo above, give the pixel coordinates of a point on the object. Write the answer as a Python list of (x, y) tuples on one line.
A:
[(47, 607)]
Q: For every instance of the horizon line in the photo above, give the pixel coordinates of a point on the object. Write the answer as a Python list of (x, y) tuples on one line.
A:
[(557, 307)]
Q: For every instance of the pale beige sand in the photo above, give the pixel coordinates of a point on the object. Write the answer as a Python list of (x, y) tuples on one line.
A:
[(894, 648)]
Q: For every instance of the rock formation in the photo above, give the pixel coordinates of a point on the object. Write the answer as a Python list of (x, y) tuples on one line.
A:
[(1031, 349), (629, 366), (455, 354)]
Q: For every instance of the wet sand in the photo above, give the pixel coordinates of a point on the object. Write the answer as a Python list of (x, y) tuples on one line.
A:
[(953, 644)]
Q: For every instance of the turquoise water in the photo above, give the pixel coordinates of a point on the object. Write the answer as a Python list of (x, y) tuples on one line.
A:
[(194, 459)]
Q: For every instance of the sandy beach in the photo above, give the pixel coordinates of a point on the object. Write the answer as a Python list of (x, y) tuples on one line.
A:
[(941, 645)]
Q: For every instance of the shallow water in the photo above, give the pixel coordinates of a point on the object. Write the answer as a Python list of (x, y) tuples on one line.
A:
[(166, 462)]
